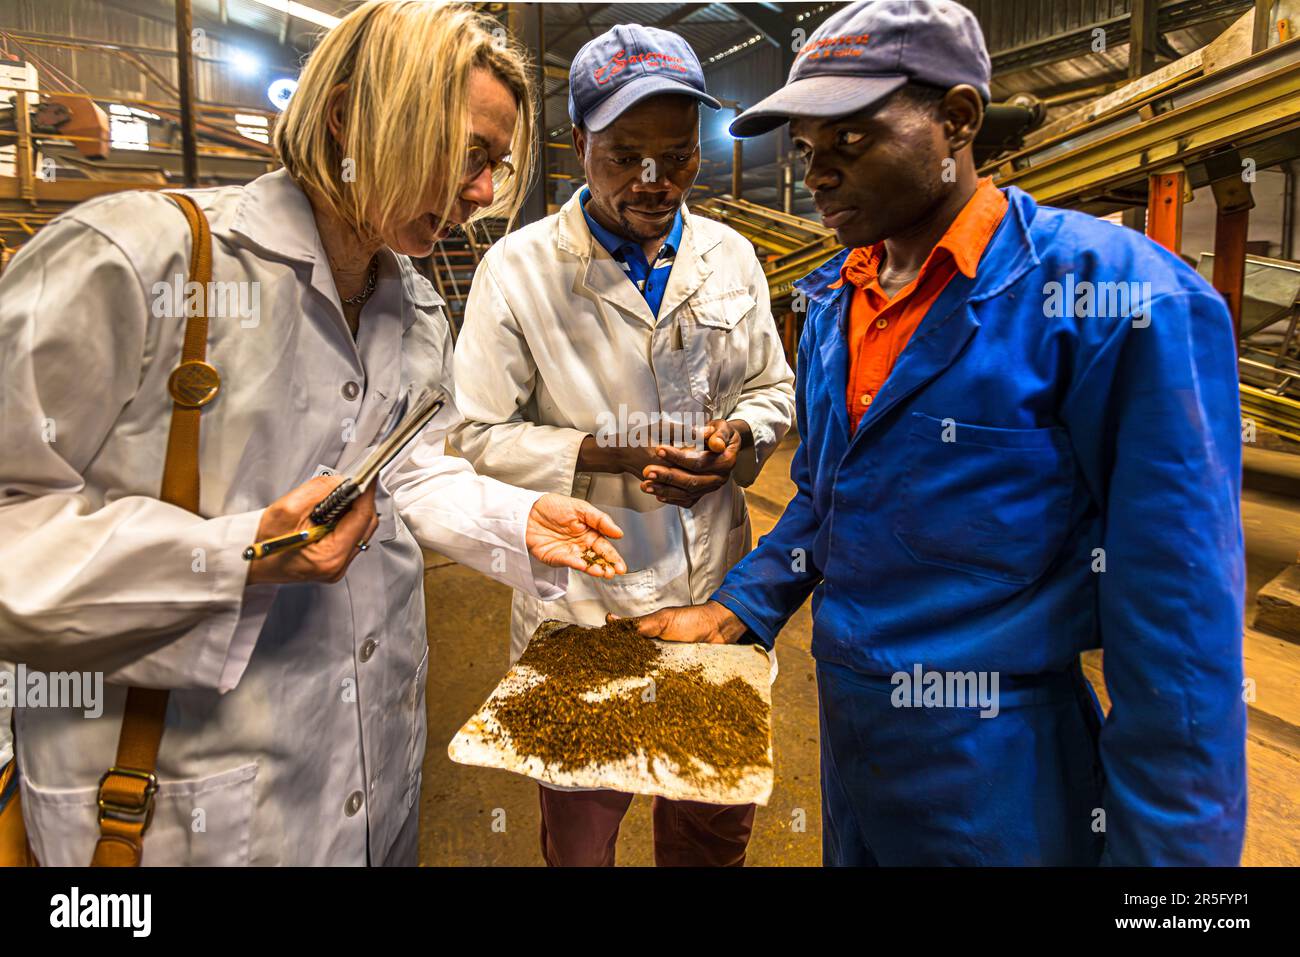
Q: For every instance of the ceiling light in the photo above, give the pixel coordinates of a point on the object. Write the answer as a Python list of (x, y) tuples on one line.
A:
[(244, 63), (280, 92), (301, 11)]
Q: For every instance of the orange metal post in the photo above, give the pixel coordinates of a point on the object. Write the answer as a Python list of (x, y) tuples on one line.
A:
[(790, 337), (1233, 202), (1230, 260), (1165, 210)]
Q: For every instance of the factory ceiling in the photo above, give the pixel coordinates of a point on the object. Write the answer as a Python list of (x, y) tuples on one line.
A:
[(1043, 46)]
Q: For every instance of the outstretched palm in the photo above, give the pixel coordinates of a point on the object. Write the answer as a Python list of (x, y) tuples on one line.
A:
[(569, 533)]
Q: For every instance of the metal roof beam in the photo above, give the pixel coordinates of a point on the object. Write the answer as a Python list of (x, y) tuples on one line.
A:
[(588, 11), (768, 19), (1078, 42)]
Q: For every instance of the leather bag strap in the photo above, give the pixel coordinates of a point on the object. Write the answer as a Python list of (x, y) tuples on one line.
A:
[(126, 791)]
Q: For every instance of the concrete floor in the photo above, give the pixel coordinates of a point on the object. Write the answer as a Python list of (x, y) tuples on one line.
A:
[(477, 816)]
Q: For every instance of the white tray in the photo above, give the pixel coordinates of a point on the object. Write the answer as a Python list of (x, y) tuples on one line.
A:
[(474, 744)]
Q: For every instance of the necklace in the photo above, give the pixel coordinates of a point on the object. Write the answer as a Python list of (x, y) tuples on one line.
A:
[(371, 277)]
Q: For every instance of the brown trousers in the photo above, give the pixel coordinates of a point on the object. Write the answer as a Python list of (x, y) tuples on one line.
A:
[(580, 829)]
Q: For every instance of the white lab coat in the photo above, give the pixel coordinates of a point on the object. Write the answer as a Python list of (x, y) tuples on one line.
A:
[(574, 349), (296, 725)]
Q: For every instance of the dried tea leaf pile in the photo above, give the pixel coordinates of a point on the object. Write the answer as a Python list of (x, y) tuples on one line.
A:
[(592, 657), (678, 715)]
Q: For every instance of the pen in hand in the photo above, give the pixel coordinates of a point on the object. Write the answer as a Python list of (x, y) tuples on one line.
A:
[(324, 517), (292, 540)]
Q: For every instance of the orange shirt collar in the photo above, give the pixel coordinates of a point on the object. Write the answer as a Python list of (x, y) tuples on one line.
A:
[(965, 239)]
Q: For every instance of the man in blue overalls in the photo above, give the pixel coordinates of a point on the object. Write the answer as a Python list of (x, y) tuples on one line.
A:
[(1020, 440)]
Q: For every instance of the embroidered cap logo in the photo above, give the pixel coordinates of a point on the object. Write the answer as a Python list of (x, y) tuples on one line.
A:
[(652, 60), (847, 44)]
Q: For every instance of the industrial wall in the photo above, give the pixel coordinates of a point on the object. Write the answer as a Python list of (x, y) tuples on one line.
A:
[(150, 37)]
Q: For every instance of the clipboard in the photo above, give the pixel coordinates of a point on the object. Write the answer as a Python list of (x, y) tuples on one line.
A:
[(333, 506)]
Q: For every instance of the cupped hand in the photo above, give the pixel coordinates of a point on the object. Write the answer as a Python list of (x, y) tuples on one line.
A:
[(570, 533), (682, 476)]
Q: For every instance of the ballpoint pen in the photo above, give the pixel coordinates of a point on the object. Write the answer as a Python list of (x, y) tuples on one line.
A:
[(293, 540)]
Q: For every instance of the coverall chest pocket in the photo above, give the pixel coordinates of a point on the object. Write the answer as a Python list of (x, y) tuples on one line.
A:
[(987, 501), (717, 346)]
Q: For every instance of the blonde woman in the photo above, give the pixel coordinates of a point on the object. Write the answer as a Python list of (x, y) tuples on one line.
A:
[(295, 726)]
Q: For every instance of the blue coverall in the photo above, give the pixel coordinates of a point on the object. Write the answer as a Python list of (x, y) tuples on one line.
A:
[(1047, 469)]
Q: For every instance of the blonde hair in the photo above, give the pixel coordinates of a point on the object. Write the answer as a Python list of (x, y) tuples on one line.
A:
[(407, 66)]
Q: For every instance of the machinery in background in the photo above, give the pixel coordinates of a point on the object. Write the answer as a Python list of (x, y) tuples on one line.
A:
[(1268, 355), (1211, 119), (15, 75), (59, 148), (80, 120)]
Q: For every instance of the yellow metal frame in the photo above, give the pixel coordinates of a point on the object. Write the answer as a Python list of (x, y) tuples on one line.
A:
[(1262, 106), (1272, 413), (800, 244), (1113, 151)]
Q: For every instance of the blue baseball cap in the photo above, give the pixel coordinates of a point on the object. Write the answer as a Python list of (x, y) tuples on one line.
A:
[(626, 64), (866, 51)]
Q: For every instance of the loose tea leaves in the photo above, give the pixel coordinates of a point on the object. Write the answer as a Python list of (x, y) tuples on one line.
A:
[(606, 708), (707, 732), (591, 657)]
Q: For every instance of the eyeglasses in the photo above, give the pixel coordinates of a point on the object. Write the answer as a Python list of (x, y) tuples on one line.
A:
[(478, 159)]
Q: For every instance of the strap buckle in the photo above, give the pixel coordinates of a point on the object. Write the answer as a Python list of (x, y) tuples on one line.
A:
[(141, 813)]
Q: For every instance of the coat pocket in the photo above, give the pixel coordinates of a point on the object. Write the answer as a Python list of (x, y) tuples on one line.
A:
[(204, 822), (716, 350), (387, 509), (723, 311), (987, 501), (415, 756), (738, 543), (635, 593)]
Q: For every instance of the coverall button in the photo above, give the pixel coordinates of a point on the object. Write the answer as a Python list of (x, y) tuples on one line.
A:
[(351, 390), (353, 804), (866, 398), (368, 649), (881, 323)]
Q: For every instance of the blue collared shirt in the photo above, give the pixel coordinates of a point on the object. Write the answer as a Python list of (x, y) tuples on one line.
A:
[(650, 280)]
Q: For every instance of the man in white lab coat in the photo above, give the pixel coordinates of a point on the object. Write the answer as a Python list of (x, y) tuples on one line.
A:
[(295, 724), (613, 326)]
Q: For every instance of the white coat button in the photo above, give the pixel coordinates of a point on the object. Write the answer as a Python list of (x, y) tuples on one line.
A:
[(368, 649), (351, 390), (353, 804)]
